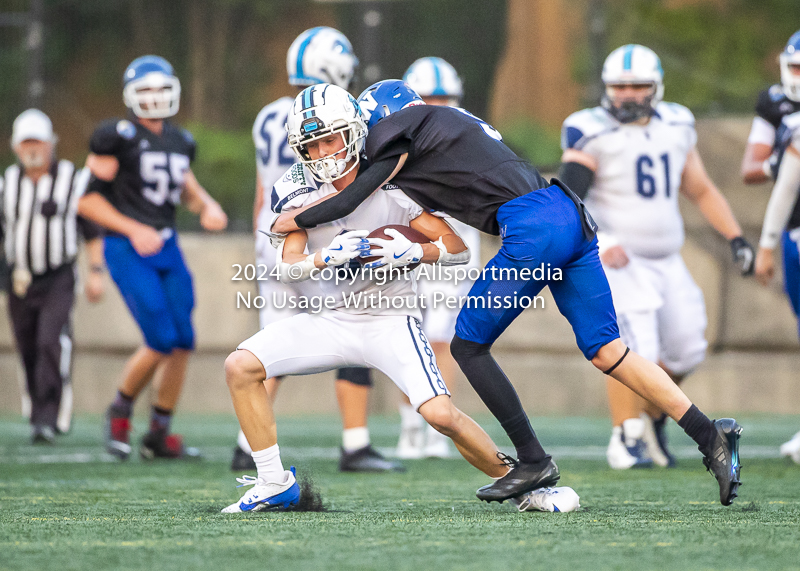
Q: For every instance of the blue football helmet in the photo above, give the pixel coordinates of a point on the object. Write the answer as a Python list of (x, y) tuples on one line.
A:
[(789, 59), (151, 89), (381, 99)]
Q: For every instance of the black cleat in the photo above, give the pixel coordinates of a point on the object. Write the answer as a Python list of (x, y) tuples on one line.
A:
[(521, 479), (159, 444), (723, 459), (367, 459), (242, 461)]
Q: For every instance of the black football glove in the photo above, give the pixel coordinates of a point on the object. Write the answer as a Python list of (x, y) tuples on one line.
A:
[(743, 255)]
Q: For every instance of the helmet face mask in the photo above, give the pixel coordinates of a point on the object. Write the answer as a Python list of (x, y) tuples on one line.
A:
[(319, 112), (632, 65), (151, 89), (630, 108), (790, 73)]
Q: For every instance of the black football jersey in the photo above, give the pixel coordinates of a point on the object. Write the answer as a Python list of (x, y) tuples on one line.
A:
[(151, 172), (773, 105), (456, 163)]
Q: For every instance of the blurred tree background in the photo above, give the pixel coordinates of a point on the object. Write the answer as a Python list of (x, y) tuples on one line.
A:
[(230, 57)]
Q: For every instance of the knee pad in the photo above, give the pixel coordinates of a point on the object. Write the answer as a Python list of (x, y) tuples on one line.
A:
[(355, 375)]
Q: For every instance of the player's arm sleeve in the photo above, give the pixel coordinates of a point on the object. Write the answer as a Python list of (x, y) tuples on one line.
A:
[(577, 177), (782, 200), (344, 202), (102, 187)]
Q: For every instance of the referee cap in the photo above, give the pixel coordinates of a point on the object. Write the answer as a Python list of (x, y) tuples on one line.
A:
[(32, 124)]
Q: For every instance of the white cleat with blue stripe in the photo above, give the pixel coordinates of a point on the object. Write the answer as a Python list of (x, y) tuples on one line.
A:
[(267, 496)]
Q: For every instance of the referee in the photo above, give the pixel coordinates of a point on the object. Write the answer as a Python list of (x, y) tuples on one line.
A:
[(40, 226)]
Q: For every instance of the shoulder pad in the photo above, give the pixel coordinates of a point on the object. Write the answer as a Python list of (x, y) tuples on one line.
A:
[(109, 136), (187, 136), (294, 183), (126, 129), (776, 93), (674, 113), (582, 126)]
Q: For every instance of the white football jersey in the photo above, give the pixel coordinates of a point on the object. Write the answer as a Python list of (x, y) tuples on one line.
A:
[(634, 196), (273, 155), (389, 205)]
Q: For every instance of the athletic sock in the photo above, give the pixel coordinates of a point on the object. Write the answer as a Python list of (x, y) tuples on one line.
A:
[(355, 438), (241, 440), (160, 419), (699, 427), (410, 418), (269, 466), (123, 404)]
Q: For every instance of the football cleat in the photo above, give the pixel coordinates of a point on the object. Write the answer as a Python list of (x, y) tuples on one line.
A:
[(559, 500), (159, 444), (367, 459), (624, 452), (791, 449), (242, 460), (411, 445), (117, 434), (42, 434), (655, 438), (267, 496), (722, 459), (437, 445), (520, 479)]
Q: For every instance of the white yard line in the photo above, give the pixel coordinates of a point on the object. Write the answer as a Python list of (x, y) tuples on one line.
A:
[(84, 455)]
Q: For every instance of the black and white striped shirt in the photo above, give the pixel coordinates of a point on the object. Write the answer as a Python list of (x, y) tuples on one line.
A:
[(39, 220)]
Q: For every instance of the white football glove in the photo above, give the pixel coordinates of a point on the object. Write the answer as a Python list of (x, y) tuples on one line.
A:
[(395, 253), (345, 247)]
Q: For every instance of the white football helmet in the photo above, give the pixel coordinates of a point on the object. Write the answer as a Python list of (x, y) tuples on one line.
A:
[(790, 56), (321, 55), (633, 64), (434, 77), (151, 89), (317, 112)]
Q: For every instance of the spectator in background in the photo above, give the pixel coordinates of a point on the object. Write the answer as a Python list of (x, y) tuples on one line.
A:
[(39, 226)]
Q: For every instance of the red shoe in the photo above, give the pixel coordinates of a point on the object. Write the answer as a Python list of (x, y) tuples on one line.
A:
[(159, 444), (117, 434)]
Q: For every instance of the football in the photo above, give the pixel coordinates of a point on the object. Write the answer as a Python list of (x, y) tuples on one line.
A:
[(407, 231)]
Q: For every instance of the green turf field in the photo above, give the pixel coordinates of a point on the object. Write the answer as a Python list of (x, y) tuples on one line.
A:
[(71, 507)]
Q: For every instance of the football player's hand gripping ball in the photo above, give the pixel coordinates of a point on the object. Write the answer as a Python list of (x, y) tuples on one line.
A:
[(345, 247), (394, 253)]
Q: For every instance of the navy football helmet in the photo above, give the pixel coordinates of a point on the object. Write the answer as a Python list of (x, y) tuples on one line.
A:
[(151, 89), (381, 99), (790, 60)]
